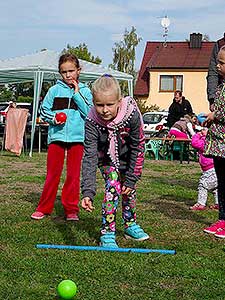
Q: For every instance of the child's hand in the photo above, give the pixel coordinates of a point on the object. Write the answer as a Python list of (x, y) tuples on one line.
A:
[(209, 119), (126, 190), (76, 86), (58, 122), (86, 204)]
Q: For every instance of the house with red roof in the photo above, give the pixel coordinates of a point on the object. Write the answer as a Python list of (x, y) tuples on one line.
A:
[(170, 66)]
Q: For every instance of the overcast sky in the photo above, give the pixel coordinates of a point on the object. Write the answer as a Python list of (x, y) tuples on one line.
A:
[(29, 26)]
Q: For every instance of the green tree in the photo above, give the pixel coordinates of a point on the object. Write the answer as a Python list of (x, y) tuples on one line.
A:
[(24, 92), (124, 54), (22, 89), (82, 52), (5, 94), (143, 107)]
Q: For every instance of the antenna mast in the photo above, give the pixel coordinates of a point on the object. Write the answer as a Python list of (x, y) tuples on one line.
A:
[(165, 22)]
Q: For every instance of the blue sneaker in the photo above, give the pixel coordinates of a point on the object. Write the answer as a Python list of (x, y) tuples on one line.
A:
[(135, 232), (108, 240)]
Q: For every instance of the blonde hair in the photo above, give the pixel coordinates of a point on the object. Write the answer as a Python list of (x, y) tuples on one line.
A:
[(106, 84)]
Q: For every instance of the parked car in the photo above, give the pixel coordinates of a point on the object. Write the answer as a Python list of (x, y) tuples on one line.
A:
[(4, 106), (155, 123), (3, 111)]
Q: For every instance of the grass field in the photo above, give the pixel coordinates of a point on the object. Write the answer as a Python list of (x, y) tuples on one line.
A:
[(166, 191)]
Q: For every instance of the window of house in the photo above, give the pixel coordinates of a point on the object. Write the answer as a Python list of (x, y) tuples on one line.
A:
[(170, 83)]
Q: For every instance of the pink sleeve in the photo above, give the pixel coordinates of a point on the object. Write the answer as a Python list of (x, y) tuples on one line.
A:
[(198, 141)]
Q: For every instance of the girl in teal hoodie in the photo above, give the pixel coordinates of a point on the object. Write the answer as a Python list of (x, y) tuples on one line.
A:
[(65, 138)]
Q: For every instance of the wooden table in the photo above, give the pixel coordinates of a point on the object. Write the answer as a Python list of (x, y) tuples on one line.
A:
[(166, 147)]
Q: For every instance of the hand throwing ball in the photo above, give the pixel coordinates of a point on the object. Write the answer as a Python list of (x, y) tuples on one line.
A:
[(61, 117), (67, 289)]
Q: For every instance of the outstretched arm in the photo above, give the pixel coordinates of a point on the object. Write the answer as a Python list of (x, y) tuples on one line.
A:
[(90, 161), (212, 77)]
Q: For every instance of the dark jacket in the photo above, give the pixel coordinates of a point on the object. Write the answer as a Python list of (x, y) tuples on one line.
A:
[(213, 77), (177, 111), (131, 142)]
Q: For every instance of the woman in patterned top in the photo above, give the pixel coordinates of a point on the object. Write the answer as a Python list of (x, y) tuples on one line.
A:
[(215, 146)]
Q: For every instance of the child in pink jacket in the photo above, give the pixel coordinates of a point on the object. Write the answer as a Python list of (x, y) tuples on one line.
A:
[(208, 179)]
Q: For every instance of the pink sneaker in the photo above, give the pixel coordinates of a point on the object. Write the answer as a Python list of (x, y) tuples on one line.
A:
[(72, 217), (37, 215), (198, 206), (215, 206), (215, 227), (220, 233)]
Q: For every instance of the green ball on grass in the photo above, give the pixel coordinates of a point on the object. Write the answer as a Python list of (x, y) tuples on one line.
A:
[(67, 289)]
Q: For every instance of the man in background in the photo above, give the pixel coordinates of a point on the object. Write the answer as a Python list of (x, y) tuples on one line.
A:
[(178, 108)]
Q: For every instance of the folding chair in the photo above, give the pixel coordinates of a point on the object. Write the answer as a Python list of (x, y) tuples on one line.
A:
[(153, 147)]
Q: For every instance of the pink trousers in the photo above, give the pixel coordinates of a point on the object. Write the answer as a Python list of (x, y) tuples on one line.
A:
[(71, 189), (178, 134)]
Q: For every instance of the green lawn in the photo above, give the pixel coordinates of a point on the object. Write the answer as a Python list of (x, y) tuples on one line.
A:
[(166, 191)]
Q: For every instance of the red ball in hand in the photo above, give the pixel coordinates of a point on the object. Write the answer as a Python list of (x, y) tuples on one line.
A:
[(61, 117)]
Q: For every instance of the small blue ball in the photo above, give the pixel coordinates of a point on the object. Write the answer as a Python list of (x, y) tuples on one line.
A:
[(201, 117)]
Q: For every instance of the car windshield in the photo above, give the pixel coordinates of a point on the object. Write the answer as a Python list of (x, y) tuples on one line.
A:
[(152, 118), (3, 106)]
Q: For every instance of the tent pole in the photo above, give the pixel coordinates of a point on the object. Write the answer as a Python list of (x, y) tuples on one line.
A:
[(130, 87), (38, 80)]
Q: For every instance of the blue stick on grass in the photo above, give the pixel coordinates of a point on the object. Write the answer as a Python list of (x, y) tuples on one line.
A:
[(95, 248)]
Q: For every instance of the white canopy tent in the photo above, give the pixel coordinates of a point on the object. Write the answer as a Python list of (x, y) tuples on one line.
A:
[(43, 66)]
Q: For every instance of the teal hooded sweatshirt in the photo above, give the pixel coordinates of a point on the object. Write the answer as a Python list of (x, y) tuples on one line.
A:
[(61, 98)]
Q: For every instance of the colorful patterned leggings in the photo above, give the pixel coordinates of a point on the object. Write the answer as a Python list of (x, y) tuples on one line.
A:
[(113, 184)]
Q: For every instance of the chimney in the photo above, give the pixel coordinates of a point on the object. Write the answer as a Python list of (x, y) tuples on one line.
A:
[(195, 40)]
